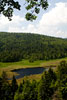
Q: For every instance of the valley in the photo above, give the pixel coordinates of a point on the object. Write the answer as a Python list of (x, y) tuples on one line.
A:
[(26, 50), (8, 67)]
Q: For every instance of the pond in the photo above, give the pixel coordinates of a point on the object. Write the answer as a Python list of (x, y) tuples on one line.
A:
[(28, 71)]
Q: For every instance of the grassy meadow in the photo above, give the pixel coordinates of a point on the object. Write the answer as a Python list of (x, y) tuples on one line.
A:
[(26, 64)]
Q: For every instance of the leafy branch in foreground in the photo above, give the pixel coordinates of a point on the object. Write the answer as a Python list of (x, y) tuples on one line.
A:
[(33, 8)]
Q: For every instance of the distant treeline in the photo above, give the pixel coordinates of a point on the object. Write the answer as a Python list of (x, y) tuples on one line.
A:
[(18, 46)]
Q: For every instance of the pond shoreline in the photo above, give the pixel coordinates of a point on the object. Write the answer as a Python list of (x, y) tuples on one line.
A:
[(22, 72), (27, 71)]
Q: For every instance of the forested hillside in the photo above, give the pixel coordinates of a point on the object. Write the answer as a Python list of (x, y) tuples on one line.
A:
[(18, 46)]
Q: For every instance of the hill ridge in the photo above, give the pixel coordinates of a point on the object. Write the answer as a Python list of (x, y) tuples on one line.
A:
[(15, 47)]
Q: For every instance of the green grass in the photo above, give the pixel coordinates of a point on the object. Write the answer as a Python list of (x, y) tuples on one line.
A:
[(26, 63), (21, 63)]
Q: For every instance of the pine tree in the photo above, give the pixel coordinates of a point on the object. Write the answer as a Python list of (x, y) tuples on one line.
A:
[(14, 86)]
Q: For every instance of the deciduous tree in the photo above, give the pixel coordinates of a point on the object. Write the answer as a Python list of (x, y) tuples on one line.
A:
[(33, 8)]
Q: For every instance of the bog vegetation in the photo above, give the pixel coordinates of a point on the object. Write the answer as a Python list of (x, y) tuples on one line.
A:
[(15, 47), (51, 86), (19, 47)]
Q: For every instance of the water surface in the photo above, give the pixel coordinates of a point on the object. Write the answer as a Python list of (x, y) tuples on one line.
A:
[(28, 71)]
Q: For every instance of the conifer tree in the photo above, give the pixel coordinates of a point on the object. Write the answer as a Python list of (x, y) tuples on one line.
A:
[(14, 86)]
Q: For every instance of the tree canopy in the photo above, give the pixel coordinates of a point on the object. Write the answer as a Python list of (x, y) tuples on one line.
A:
[(15, 47), (49, 87), (33, 8)]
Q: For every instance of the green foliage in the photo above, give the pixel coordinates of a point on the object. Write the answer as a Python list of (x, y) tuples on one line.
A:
[(46, 89), (7, 7), (15, 47), (63, 88), (62, 70), (51, 75), (18, 96), (50, 87), (29, 91), (4, 77), (6, 92), (62, 80), (20, 88), (14, 86), (5, 88), (32, 6), (31, 17)]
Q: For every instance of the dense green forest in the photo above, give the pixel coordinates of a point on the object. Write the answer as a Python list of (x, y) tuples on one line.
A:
[(18, 46), (51, 86)]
